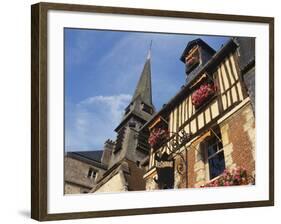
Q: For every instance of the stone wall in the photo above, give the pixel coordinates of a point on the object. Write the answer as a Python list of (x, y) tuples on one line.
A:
[(241, 136), (129, 144), (76, 175), (181, 166), (180, 172), (70, 188), (249, 79), (200, 174), (151, 184), (115, 184)]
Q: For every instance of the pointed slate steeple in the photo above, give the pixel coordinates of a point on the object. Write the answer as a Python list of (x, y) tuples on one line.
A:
[(141, 105), (137, 113), (144, 89)]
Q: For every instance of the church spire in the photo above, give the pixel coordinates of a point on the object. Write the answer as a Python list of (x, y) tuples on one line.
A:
[(144, 89), (137, 113)]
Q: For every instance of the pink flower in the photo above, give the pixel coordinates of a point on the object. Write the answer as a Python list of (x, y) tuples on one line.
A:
[(236, 176), (227, 183), (157, 135), (200, 95)]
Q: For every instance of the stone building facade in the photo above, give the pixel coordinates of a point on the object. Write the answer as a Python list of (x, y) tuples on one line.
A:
[(81, 170)]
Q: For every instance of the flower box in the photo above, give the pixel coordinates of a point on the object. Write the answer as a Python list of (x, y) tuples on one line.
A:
[(203, 94), (234, 177), (157, 137)]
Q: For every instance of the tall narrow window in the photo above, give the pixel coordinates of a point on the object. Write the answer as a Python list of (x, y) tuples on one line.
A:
[(215, 156)]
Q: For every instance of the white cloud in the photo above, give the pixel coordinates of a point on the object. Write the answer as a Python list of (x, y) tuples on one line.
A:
[(93, 120), (114, 70), (127, 57)]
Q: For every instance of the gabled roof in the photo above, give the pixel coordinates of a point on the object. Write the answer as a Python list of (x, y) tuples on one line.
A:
[(91, 157)]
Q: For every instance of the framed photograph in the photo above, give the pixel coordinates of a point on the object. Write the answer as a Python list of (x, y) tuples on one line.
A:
[(138, 111)]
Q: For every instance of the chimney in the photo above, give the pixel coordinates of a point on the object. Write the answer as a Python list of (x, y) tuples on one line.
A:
[(107, 151)]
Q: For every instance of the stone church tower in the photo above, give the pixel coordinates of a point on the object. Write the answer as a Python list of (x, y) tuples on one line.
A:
[(123, 156), (136, 114)]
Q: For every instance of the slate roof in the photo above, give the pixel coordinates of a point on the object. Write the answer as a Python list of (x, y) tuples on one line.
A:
[(92, 157), (142, 94), (144, 89)]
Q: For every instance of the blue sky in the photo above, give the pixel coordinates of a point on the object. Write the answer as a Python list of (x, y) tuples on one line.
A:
[(101, 72)]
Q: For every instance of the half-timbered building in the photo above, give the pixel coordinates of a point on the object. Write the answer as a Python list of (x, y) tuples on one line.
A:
[(209, 125)]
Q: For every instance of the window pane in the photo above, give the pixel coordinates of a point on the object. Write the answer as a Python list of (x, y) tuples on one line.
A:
[(212, 149), (89, 173), (216, 165)]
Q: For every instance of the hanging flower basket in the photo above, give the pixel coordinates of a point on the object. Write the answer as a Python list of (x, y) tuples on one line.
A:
[(157, 137), (234, 177), (202, 94)]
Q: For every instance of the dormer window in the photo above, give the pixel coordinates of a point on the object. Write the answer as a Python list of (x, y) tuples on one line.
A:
[(192, 59), (196, 54)]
